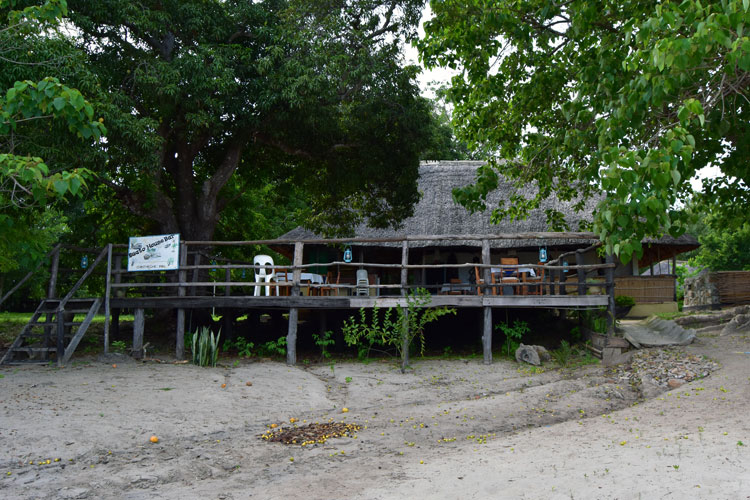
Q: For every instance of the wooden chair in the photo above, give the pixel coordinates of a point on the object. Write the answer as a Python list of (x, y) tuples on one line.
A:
[(327, 290), (479, 280), (536, 287), (509, 276)]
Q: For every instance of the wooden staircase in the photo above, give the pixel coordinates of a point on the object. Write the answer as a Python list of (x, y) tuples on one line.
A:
[(51, 330)]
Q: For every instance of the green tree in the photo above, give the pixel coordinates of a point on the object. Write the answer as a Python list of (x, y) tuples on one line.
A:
[(35, 111), (208, 101), (625, 97)]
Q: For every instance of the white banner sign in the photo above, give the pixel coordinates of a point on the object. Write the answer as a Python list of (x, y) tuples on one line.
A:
[(154, 253)]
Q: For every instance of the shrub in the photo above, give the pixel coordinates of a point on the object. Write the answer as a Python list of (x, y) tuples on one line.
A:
[(513, 335), (624, 301), (205, 347)]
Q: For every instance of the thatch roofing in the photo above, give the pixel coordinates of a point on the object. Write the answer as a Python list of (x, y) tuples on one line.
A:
[(437, 213)]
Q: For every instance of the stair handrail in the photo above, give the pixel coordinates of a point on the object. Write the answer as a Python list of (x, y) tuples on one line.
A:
[(18, 285), (64, 300)]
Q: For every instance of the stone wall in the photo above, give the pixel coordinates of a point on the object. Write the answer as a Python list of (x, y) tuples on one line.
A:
[(701, 292)]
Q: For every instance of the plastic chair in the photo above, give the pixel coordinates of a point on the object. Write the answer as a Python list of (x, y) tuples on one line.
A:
[(362, 283), (264, 271)]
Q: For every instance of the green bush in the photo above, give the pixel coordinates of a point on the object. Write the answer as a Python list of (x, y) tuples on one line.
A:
[(205, 347), (624, 301), (513, 335)]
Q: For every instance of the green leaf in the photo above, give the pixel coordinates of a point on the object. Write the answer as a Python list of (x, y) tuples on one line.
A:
[(58, 103), (61, 187), (676, 177)]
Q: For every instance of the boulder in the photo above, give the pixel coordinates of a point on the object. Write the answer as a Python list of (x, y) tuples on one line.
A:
[(738, 324), (527, 354)]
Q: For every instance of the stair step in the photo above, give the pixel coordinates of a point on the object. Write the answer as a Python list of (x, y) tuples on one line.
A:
[(54, 323), (31, 350), (67, 310)]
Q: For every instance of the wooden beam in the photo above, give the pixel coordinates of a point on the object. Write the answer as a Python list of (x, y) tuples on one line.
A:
[(581, 274), (181, 291), (291, 336), (405, 326), (107, 296), (487, 337), (610, 279), (139, 323)]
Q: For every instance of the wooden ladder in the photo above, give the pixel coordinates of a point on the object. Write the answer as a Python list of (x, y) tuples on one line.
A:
[(48, 332)]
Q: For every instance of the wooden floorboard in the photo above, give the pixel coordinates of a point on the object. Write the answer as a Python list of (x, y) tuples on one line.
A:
[(305, 302)]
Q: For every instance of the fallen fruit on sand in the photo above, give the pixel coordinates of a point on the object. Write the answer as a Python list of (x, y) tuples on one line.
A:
[(292, 420), (344, 410), (154, 439), (248, 384), (223, 386), (114, 366), (273, 426)]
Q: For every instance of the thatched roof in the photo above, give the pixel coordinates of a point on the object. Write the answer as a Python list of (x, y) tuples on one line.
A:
[(437, 213)]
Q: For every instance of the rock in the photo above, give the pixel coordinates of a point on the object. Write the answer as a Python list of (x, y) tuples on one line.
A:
[(527, 354), (544, 355), (738, 324), (674, 383), (68, 492)]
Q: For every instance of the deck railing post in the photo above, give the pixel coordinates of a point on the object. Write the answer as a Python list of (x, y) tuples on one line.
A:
[(581, 273), (487, 323), (181, 277), (404, 286), (610, 278), (107, 296), (291, 336), (117, 271)]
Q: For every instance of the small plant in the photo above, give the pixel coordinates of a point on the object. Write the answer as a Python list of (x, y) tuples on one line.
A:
[(447, 351), (624, 301), (348, 379), (513, 335), (205, 347), (399, 332), (273, 347), (241, 345), (563, 354), (119, 346), (323, 341)]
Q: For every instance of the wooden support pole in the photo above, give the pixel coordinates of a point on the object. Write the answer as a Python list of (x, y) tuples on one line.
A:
[(581, 273), (181, 276), (139, 324), (227, 332), (609, 274), (51, 294), (60, 353), (487, 336), (115, 327), (107, 296), (487, 323), (405, 327), (291, 336), (674, 273)]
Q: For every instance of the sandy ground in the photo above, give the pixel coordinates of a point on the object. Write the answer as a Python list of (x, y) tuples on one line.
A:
[(447, 429)]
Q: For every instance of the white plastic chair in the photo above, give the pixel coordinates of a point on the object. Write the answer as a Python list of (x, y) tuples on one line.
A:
[(265, 272), (362, 283)]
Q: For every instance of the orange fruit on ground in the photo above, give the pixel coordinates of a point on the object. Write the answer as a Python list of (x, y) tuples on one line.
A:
[(344, 410), (248, 384), (114, 366), (273, 426), (292, 420), (154, 439), (223, 386)]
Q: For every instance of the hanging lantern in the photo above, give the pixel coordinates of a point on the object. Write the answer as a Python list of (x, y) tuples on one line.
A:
[(84, 262), (243, 274), (543, 254), (348, 254)]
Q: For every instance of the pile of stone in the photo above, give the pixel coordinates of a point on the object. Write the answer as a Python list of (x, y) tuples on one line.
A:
[(665, 368)]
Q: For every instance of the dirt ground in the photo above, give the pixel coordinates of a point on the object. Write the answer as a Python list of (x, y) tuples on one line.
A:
[(446, 429)]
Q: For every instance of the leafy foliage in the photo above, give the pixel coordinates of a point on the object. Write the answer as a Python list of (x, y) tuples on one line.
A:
[(205, 347), (626, 97), (324, 341), (513, 335), (208, 102), (394, 331)]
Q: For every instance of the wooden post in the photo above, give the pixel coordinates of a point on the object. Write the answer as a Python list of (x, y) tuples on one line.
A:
[(228, 334), (610, 278), (405, 327), (291, 336), (674, 273), (487, 323), (51, 294), (115, 327), (60, 336), (139, 323), (181, 277), (107, 295), (581, 273)]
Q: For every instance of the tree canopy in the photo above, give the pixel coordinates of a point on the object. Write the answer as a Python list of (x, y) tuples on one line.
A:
[(628, 98), (208, 102), (39, 115)]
